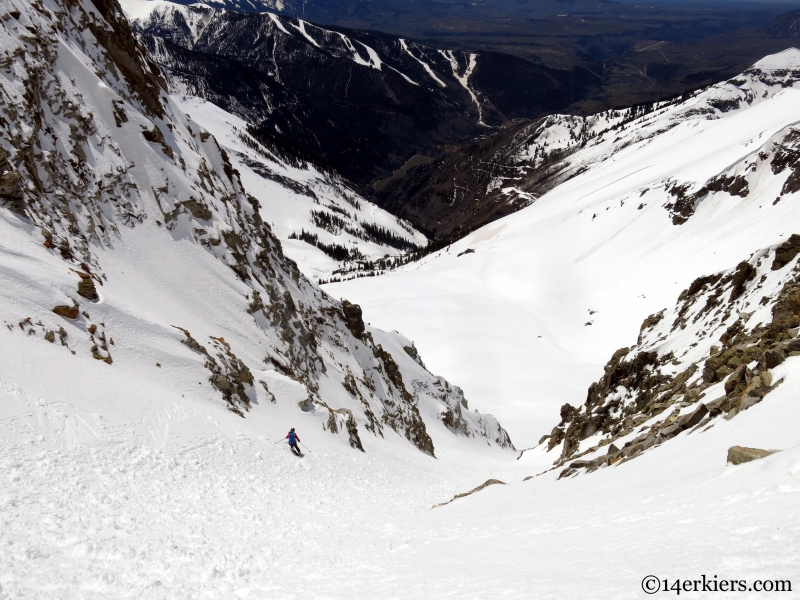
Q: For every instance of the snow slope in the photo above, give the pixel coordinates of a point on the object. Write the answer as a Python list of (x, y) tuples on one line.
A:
[(526, 320), (195, 502)]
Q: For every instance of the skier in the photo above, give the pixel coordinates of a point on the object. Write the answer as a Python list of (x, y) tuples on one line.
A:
[(293, 439)]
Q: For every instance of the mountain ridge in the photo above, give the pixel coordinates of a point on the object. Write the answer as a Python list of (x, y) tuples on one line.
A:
[(394, 97), (145, 248)]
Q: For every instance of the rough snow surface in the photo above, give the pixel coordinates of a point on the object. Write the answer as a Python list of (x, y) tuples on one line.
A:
[(160, 497)]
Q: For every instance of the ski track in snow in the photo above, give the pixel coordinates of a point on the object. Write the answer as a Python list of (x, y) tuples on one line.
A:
[(275, 19), (301, 27)]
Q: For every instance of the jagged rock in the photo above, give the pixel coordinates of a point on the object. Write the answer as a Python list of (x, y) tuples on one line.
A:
[(306, 405), (413, 353), (270, 395), (221, 383), (786, 252), (580, 464), (694, 419), (229, 375), (50, 336), (128, 57), (741, 454), (773, 357), (153, 135), (68, 312), (649, 441), (735, 378), (353, 318), (589, 429), (555, 438), (744, 273), (11, 185), (198, 209), (568, 412), (352, 429), (760, 392), (749, 401), (568, 472), (637, 383), (191, 342)]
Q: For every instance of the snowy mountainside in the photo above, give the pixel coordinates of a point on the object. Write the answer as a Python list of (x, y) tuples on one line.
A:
[(508, 172), (366, 102), (254, 6), (322, 222), (130, 244), (645, 205)]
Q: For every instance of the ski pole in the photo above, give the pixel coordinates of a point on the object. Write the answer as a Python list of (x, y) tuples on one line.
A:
[(304, 446)]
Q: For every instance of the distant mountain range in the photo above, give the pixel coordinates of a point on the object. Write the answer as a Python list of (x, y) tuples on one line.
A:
[(363, 102)]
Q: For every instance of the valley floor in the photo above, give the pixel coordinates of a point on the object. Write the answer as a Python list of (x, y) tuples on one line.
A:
[(206, 505)]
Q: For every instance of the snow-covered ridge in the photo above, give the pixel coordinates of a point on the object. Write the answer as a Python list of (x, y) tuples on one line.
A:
[(323, 224), (556, 148), (191, 24), (133, 252)]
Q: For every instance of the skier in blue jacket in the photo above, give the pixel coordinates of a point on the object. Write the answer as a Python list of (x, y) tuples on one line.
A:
[(293, 439)]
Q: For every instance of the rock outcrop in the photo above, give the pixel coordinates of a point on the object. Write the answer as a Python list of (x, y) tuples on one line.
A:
[(725, 334), (740, 454)]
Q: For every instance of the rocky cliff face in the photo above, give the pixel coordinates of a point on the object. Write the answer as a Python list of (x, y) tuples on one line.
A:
[(365, 102), (713, 355), (98, 161)]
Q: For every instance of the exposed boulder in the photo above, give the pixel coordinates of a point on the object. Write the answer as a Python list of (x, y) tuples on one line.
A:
[(741, 454), (773, 357), (68, 312), (744, 273), (696, 417)]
